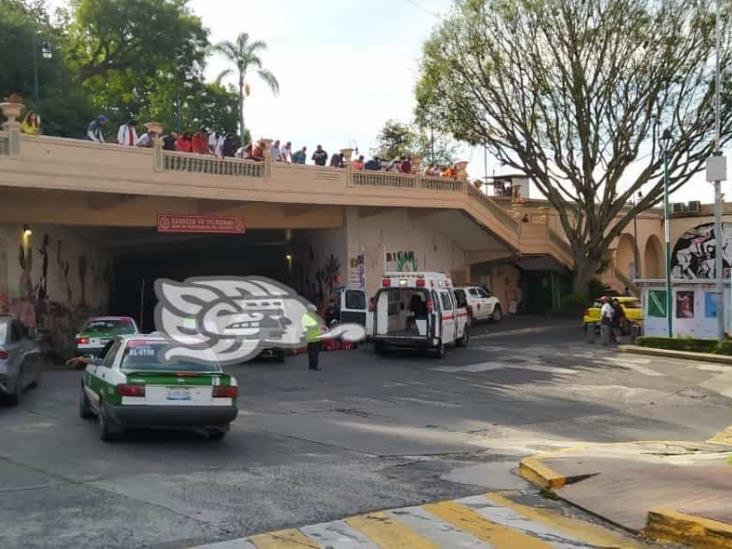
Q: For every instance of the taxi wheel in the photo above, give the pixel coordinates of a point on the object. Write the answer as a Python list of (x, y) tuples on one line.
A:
[(85, 411), (108, 430), (218, 434)]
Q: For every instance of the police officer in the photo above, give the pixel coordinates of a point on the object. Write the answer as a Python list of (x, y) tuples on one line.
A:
[(313, 327)]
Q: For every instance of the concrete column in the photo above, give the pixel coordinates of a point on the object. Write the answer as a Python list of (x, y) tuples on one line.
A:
[(11, 108), (347, 155), (158, 160), (267, 157)]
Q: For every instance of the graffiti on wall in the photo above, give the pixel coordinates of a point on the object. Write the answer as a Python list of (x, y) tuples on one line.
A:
[(318, 282), (694, 253)]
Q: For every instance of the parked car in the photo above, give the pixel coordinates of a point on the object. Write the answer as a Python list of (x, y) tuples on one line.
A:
[(132, 385), (20, 360), (631, 306), (418, 311), (482, 305), (98, 330)]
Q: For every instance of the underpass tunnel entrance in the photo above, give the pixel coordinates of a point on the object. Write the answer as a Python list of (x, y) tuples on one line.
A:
[(141, 256)]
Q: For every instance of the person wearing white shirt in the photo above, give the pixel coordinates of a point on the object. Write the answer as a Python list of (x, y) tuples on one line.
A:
[(606, 311), (276, 152), (286, 153), (127, 134)]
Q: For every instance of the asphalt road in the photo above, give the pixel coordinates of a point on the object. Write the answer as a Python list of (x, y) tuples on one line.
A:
[(366, 433)]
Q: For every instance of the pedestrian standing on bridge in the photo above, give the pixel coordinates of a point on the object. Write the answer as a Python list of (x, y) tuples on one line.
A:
[(95, 127), (199, 143), (127, 133), (320, 157)]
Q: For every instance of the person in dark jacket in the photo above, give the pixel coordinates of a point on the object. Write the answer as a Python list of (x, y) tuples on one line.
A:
[(374, 164), (169, 141), (618, 319), (229, 146)]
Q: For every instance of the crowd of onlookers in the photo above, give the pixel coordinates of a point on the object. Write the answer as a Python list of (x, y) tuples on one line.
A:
[(223, 144)]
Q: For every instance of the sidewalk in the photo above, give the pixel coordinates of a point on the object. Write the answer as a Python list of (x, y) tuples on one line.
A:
[(669, 491)]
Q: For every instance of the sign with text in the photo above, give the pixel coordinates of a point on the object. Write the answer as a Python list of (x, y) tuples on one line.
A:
[(214, 224)]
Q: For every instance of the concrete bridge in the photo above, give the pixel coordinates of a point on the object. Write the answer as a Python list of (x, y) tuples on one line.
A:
[(62, 200)]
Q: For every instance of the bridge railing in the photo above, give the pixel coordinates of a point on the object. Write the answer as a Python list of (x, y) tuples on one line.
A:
[(4, 143), (383, 179), (205, 164), (494, 208)]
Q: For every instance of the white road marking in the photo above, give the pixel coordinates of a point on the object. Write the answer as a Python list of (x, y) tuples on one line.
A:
[(512, 519), (490, 366), (435, 530), (632, 365), (337, 534)]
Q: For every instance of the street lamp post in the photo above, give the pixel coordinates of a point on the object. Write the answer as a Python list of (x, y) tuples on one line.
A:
[(635, 238), (666, 143), (46, 54)]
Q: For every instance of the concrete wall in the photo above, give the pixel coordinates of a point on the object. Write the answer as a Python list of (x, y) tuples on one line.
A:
[(319, 262), (51, 279), (392, 231)]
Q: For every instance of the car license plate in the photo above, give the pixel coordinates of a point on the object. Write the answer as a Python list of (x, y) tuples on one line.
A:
[(179, 394)]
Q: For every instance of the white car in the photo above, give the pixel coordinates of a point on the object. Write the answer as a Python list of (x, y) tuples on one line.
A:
[(482, 305)]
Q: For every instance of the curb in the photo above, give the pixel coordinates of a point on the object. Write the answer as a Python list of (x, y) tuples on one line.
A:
[(667, 353), (538, 474), (672, 526), (664, 525)]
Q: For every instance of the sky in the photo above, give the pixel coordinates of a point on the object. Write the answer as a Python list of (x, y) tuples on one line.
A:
[(344, 68)]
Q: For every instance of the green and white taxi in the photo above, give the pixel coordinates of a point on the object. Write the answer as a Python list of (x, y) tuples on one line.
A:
[(132, 385), (99, 330)]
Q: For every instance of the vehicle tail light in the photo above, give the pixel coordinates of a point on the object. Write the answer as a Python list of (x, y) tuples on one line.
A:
[(131, 390), (3, 354), (430, 308), (420, 283), (372, 305), (386, 282), (225, 391), (82, 340)]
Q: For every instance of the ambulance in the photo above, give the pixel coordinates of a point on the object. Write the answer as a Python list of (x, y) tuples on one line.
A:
[(418, 310)]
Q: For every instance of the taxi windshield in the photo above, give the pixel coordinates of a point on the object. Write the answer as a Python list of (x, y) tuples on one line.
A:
[(109, 325), (150, 355)]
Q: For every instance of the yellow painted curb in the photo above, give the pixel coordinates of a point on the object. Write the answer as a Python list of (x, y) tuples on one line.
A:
[(672, 526), (533, 470), (723, 437)]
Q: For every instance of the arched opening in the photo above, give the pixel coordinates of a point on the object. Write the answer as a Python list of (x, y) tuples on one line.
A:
[(625, 256), (653, 258)]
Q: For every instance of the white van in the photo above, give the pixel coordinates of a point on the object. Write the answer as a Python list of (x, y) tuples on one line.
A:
[(418, 310)]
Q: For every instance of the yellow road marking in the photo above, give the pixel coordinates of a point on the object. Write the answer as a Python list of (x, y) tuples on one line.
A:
[(389, 533), (583, 531), (723, 437), (499, 536), (284, 539)]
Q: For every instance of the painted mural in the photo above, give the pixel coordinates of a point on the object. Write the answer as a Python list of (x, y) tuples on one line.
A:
[(694, 253)]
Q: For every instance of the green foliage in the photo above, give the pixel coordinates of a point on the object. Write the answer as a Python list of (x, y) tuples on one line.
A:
[(243, 54), (686, 344), (597, 289), (397, 139)]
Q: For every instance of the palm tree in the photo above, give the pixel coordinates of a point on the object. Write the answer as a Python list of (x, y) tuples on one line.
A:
[(244, 55)]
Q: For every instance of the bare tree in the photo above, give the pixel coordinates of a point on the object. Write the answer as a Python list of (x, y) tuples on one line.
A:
[(576, 94)]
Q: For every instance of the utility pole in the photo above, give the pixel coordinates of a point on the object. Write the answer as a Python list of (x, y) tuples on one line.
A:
[(717, 172), (666, 143), (35, 67)]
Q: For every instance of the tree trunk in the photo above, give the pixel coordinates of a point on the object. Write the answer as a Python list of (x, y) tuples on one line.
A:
[(241, 110), (585, 270)]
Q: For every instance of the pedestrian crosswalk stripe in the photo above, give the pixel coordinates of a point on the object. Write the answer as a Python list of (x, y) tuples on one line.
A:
[(284, 539), (466, 519), (492, 520), (389, 533), (429, 526), (583, 531), (338, 534)]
